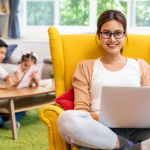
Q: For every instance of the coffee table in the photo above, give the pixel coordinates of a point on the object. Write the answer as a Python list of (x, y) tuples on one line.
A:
[(23, 99)]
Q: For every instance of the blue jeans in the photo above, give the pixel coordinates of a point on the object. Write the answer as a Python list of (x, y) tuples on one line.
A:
[(18, 117), (1, 120)]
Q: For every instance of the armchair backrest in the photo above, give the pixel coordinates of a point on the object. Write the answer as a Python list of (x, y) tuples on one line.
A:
[(68, 50)]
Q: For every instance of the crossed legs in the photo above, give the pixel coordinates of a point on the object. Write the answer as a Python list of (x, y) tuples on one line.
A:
[(79, 129)]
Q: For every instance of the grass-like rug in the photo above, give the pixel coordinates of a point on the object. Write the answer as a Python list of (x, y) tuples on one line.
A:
[(32, 134)]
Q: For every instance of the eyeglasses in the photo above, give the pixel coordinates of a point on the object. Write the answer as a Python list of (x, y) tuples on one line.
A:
[(117, 34)]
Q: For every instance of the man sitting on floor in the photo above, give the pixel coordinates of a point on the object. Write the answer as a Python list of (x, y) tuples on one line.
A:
[(5, 121)]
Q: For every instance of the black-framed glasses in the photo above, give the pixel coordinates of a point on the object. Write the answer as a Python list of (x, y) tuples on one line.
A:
[(117, 34)]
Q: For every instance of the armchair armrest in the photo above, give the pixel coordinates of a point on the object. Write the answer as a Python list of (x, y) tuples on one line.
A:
[(48, 115)]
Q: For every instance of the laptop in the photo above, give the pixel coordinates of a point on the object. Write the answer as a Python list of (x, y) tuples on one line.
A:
[(125, 107)]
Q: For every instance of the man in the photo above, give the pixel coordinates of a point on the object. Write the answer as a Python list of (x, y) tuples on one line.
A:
[(10, 82)]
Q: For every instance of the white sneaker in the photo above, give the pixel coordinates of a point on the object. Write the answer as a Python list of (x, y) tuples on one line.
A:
[(7, 125)]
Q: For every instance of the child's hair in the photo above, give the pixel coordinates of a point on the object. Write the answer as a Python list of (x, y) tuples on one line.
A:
[(109, 15), (27, 55)]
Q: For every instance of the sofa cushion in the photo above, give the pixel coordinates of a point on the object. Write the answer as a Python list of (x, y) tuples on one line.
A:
[(46, 71), (9, 52), (66, 100), (14, 59), (48, 60)]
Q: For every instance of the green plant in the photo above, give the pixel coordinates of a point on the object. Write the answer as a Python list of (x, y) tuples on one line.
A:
[(52, 75)]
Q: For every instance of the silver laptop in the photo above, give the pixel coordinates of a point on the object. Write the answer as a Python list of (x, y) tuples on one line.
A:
[(125, 107)]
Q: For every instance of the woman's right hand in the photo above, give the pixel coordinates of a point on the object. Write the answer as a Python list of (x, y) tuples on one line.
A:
[(95, 116)]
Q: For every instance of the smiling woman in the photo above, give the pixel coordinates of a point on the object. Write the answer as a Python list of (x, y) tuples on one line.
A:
[(80, 127)]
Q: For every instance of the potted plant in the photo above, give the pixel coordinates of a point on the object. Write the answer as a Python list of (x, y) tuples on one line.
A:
[(52, 77)]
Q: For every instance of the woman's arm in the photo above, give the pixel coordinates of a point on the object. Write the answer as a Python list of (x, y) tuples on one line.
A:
[(145, 72), (81, 83)]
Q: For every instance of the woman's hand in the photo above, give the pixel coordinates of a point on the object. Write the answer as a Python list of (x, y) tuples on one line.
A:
[(95, 116)]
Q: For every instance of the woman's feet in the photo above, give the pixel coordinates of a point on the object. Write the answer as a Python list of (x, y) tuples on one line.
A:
[(129, 147), (87, 148), (133, 147)]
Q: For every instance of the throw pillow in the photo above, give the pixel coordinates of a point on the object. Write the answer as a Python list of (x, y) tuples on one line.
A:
[(66, 100), (9, 52), (48, 60)]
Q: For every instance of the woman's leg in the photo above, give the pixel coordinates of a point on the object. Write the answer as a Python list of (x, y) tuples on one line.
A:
[(79, 129), (140, 135), (137, 135)]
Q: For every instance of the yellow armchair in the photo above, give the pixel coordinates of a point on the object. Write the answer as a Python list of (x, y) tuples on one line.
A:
[(66, 52)]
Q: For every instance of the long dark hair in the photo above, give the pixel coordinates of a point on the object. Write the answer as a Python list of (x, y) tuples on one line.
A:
[(109, 15), (29, 57)]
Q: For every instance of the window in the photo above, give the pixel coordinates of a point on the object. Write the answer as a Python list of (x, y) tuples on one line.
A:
[(39, 13), (80, 16), (142, 13), (74, 12), (71, 12), (120, 5)]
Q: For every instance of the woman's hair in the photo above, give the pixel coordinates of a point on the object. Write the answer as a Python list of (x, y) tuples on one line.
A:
[(109, 15), (29, 56)]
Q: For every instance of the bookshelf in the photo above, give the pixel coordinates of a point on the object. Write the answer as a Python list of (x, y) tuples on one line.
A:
[(3, 15)]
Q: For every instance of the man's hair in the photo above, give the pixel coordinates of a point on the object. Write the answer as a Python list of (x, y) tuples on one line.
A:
[(3, 44)]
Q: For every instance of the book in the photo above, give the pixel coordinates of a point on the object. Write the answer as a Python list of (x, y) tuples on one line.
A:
[(25, 81)]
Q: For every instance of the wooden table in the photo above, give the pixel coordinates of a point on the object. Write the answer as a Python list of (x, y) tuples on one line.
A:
[(24, 99)]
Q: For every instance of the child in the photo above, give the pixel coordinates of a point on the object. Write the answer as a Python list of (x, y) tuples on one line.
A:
[(28, 59)]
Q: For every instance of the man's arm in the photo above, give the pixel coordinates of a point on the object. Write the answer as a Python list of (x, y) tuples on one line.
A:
[(6, 78), (10, 82), (2, 86)]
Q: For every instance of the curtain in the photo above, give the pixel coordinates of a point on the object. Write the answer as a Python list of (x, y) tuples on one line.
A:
[(13, 30)]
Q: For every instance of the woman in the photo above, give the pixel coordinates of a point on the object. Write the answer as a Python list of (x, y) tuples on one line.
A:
[(80, 127)]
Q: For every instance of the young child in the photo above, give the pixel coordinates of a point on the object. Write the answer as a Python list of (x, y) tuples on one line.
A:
[(28, 59)]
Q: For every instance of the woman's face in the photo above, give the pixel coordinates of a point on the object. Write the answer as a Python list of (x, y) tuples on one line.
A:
[(112, 45)]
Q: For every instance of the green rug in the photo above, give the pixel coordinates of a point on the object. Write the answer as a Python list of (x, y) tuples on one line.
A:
[(32, 134)]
